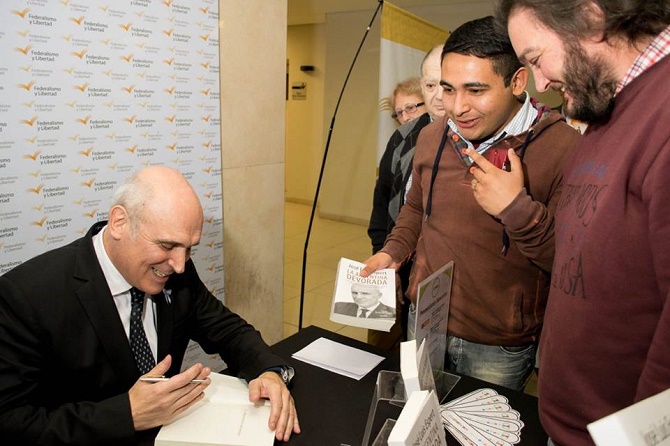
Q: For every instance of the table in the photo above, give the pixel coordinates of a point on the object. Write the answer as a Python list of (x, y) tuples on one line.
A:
[(333, 409)]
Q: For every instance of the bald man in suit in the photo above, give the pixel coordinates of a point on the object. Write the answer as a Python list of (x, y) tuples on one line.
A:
[(67, 371)]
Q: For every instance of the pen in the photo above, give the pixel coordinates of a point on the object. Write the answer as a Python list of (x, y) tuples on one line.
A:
[(157, 379)]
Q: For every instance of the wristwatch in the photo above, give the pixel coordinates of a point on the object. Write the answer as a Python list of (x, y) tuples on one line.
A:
[(285, 372)]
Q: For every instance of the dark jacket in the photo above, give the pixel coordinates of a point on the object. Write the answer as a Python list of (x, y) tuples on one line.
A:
[(65, 361)]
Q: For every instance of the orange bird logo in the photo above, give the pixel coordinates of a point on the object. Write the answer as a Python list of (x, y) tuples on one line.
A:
[(127, 58), (39, 222), (129, 89), (143, 104), (208, 170), (79, 54), (83, 120), (171, 118), (76, 169), (104, 8), (27, 86), (91, 214), (28, 104), (22, 13), (42, 239), (140, 45), (144, 135), (108, 104), (82, 88), (171, 146), (167, 3), (106, 41), (207, 144), (170, 90), (27, 68), (24, 50), (88, 183), (126, 26), (205, 92), (39, 208), (205, 65), (32, 140), (71, 104), (111, 136), (205, 37), (168, 62), (36, 174), (74, 138), (29, 122), (131, 149), (69, 70), (168, 32), (86, 152), (207, 118), (68, 37), (107, 72), (205, 9), (78, 202), (23, 33), (37, 189), (76, 20), (131, 119)]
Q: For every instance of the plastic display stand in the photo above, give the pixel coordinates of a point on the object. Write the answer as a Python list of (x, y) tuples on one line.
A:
[(388, 400)]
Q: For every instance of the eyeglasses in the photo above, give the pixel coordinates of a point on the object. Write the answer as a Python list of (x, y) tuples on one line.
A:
[(409, 109)]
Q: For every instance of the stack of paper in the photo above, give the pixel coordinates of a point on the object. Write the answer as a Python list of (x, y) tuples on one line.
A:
[(482, 418), (339, 358)]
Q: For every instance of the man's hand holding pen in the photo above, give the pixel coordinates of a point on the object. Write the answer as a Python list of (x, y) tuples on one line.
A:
[(156, 403)]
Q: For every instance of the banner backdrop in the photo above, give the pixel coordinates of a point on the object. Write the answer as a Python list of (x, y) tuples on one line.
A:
[(405, 40), (93, 90)]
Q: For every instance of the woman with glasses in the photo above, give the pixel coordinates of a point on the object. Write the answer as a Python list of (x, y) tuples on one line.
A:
[(407, 100)]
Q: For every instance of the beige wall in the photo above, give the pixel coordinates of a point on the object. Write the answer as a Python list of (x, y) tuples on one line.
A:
[(346, 191), (253, 64), (304, 118)]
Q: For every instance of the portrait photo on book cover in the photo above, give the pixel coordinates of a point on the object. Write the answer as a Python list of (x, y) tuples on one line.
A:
[(365, 303)]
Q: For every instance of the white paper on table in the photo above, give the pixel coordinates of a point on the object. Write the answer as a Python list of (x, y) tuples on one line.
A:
[(339, 358)]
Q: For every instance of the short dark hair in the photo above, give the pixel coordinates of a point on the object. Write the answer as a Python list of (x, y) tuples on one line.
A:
[(630, 19), (481, 38)]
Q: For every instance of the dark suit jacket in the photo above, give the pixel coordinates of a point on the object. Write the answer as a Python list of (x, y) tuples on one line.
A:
[(351, 309), (65, 361)]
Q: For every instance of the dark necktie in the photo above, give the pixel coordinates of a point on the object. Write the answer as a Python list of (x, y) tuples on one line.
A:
[(139, 344), (364, 312)]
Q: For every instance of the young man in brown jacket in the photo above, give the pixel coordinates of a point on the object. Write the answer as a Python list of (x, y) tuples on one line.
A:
[(486, 181)]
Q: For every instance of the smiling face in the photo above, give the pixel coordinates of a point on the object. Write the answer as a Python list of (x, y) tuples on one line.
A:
[(475, 97), (147, 248), (586, 82), (366, 296), (403, 100)]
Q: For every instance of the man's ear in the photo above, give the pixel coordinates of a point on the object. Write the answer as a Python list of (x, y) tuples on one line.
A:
[(519, 81), (118, 222)]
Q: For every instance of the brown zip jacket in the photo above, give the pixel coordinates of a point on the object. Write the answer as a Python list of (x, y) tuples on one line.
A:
[(496, 299)]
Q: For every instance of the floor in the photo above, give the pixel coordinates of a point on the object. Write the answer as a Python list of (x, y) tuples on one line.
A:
[(329, 241)]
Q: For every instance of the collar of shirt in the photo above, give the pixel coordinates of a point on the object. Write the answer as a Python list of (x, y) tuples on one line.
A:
[(369, 310), (655, 51), (115, 281), (521, 122)]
